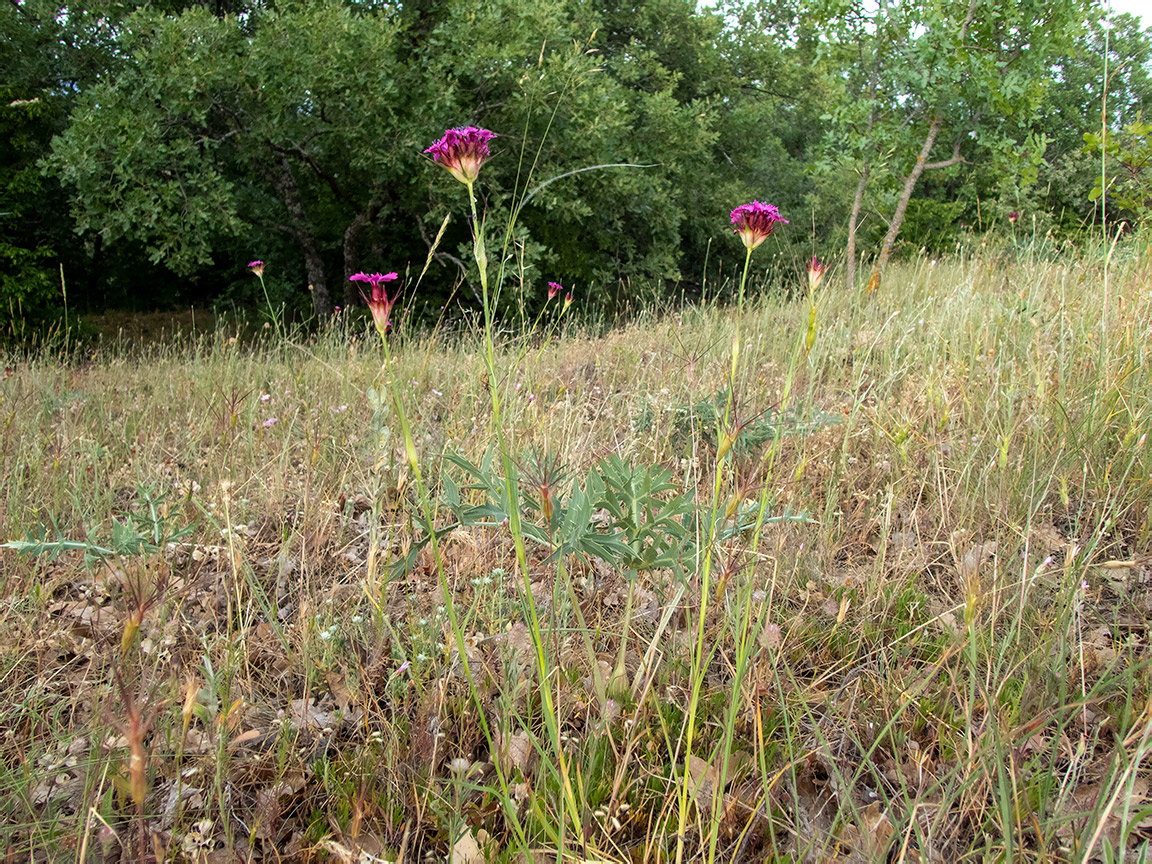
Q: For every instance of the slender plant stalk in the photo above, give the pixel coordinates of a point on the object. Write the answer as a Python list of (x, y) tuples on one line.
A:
[(550, 718), (698, 654), (272, 313), (449, 605)]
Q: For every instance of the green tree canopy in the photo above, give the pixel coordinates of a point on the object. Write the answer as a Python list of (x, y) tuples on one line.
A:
[(192, 138), (308, 121)]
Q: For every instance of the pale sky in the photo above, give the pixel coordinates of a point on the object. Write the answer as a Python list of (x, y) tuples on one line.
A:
[(1143, 8)]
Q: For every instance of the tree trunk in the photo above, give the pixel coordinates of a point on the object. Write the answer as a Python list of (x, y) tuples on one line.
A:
[(95, 269), (902, 205), (354, 233), (352, 236), (300, 228), (850, 253), (919, 168), (854, 218)]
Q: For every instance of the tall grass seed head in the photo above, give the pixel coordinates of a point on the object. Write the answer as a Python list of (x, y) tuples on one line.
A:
[(380, 304), (754, 223), (191, 691), (462, 151)]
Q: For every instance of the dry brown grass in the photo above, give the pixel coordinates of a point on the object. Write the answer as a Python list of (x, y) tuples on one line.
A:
[(948, 662)]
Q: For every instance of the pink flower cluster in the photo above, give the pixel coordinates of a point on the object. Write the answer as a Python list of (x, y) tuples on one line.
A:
[(464, 150)]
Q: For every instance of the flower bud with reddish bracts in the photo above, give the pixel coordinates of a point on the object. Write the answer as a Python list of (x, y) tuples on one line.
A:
[(815, 274), (380, 304), (462, 151), (754, 223)]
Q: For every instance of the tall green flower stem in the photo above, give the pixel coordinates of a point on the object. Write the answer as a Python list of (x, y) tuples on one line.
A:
[(449, 606), (548, 706), (750, 626), (271, 311), (698, 654), (746, 638), (744, 280), (462, 152), (64, 292), (736, 334), (753, 223)]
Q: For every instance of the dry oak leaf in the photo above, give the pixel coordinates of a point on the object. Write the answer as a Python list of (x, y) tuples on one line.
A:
[(872, 837), (513, 750), (466, 849), (1086, 798)]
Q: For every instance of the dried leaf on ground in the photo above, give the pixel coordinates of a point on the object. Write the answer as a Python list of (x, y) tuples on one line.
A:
[(870, 838), (467, 848), (267, 813), (513, 750), (1090, 796), (703, 778)]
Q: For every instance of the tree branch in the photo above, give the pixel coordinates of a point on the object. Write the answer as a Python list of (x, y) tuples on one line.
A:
[(448, 256), (956, 157), (352, 235), (307, 159), (302, 229), (968, 20), (767, 90)]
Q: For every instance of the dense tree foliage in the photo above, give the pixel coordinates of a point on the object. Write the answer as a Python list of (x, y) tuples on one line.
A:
[(46, 59), (151, 151)]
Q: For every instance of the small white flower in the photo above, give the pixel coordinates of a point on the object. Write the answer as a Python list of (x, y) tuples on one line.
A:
[(459, 765)]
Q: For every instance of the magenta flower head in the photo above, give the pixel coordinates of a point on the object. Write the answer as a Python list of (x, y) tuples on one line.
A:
[(754, 223), (815, 274), (554, 288), (379, 303), (1013, 216), (256, 267), (462, 151)]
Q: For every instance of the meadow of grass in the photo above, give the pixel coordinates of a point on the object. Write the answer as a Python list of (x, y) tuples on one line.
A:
[(884, 600)]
